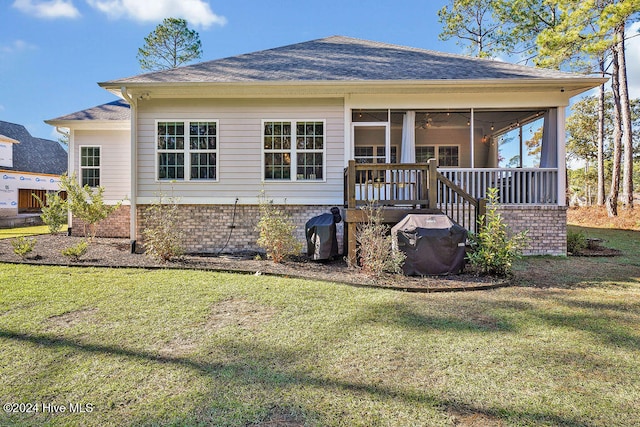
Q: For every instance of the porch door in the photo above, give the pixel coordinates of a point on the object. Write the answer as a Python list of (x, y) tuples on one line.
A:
[(371, 145)]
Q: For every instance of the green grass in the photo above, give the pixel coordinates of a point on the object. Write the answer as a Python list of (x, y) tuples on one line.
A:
[(10, 233), (199, 348)]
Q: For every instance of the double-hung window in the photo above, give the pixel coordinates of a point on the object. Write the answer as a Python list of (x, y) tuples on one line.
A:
[(447, 155), (187, 150), (90, 166), (294, 150)]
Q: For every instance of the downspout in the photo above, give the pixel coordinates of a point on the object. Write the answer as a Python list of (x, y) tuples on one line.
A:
[(70, 161), (133, 226)]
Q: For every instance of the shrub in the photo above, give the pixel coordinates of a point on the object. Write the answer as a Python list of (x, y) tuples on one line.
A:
[(86, 204), (576, 241), (276, 231), (493, 247), (54, 211), (23, 246), (375, 250), (162, 236), (76, 251)]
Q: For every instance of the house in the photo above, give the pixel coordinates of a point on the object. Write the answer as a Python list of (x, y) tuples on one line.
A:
[(28, 165), (330, 122)]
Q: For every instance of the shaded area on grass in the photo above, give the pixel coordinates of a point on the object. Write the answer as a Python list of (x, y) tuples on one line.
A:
[(265, 375)]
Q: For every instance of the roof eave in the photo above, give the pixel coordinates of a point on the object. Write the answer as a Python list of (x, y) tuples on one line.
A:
[(571, 85)]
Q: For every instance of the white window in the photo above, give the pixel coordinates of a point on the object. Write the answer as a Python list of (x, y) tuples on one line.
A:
[(447, 155), (293, 150), (90, 166), (187, 150)]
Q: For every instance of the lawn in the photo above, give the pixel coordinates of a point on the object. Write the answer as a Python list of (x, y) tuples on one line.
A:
[(131, 347), (9, 233), (137, 347)]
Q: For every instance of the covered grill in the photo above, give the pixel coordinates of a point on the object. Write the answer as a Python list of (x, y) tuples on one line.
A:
[(320, 231), (434, 244)]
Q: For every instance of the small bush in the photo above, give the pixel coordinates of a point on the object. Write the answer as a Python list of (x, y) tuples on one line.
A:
[(375, 250), (54, 211), (576, 241), (76, 251), (162, 236), (23, 246), (86, 204), (276, 231), (494, 248)]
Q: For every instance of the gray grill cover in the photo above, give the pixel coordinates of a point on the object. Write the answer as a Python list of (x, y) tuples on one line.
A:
[(434, 244), (321, 237)]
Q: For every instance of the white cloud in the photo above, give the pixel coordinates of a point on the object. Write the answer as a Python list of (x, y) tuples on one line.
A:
[(50, 9), (196, 12), (633, 60), (16, 46)]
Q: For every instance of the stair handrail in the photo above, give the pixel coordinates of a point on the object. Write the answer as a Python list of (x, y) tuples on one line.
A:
[(479, 205)]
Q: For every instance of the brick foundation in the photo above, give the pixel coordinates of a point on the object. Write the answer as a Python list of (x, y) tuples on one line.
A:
[(206, 227), (546, 225), (115, 225)]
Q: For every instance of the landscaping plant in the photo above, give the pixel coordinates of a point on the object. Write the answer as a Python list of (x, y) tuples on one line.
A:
[(494, 248), (23, 246), (76, 251), (375, 251), (162, 236), (276, 231), (86, 204), (576, 241), (54, 211)]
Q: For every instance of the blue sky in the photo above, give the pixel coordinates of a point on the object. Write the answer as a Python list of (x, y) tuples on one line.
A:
[(53, 52)]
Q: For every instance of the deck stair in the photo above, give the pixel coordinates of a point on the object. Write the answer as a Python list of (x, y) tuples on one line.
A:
[(400, 189)]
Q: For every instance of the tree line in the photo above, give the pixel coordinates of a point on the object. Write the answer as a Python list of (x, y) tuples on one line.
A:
[(586, 36)]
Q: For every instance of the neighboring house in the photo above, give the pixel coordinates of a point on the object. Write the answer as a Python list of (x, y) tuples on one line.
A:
[(28, 165), (330, 122)]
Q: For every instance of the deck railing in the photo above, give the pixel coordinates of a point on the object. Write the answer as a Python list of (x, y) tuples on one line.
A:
[(531, 186), (388, 184), (459, 205)]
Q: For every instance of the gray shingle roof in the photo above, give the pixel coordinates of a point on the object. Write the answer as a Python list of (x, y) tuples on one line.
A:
[(115, 110), (33, 154), (340, 58)]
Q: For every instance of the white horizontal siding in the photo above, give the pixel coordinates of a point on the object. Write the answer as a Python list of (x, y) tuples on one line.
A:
[(240, 150), (115, 159)]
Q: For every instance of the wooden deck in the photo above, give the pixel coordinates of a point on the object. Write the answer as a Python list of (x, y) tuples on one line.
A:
[(401, 189)]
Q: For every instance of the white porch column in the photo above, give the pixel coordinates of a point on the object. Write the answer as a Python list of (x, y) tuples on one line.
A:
[(472, 139), (348, 141), (562, 156)]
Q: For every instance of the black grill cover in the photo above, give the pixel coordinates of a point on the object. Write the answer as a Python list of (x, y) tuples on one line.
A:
[(434, 244), (321, 237)]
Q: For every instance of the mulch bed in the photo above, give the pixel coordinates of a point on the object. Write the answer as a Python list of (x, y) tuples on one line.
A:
[(115, 253)]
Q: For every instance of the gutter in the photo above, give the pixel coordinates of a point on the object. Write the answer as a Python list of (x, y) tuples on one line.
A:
[(133, 226)]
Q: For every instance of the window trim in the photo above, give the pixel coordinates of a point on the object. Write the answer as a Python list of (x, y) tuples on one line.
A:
[(293, 151), (80, 167), (437, 152), (186, 151)]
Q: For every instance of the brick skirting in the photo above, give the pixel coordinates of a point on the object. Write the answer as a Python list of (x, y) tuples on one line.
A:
[(115, 225), (546, 225), (206, 227)]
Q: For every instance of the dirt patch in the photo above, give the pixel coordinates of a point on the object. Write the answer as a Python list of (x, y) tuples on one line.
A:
[(238, 312), (280, 418), (110, 252), (72, 318), (468, 418)]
